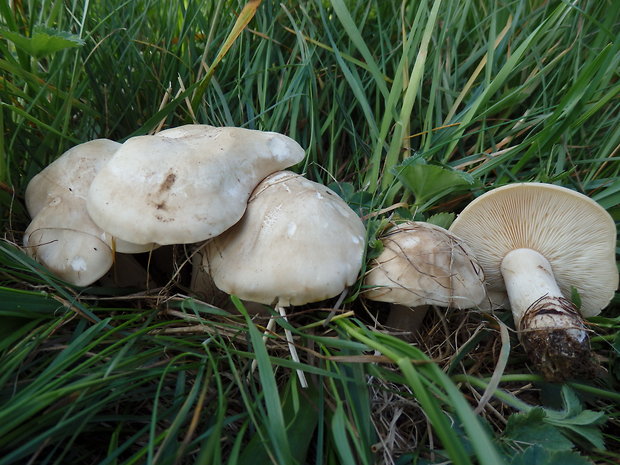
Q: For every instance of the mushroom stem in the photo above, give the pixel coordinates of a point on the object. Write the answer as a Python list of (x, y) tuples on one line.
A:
[(550, 327)]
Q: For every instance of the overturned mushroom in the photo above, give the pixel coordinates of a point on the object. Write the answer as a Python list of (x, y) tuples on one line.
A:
[(185, 184), (423, 264), (539, 242)]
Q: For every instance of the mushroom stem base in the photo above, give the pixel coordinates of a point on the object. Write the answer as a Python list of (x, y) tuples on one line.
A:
[(556, 340)]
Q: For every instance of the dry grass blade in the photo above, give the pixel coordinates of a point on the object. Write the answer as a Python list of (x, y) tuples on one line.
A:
[(245, 16), (498, 372)]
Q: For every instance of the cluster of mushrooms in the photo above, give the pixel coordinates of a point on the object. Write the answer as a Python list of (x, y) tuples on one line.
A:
[(186, 185), (274, 237), (527, 246)]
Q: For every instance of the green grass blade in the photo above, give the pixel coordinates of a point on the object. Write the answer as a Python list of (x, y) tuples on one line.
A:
[(277, 426)]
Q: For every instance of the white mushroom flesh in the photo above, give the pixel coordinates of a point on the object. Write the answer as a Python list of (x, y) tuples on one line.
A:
[(528, 277)]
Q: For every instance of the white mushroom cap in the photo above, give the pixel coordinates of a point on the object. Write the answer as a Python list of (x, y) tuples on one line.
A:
[(185, 184), (574, 233), (424, 264), (70, 175), (68, 178), (297, 243), (63, 239)]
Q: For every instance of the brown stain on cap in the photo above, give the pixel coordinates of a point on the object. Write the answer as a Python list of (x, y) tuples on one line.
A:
[(168, 183)]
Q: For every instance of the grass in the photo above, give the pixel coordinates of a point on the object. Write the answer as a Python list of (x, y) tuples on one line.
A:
[(468, 95)]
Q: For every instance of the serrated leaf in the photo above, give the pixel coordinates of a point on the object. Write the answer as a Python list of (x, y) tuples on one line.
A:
[(443, 219), (572, 404), (572, 411), (360, 201), (530, 428), (429, 183), (582, 423), (404, 214), (344, 189), (590, 433), (585, 418), (537, 455), (44, 41), (533, 455)]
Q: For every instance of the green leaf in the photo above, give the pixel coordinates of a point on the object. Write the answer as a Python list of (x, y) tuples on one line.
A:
[(345, 190), (575, 298), (579, 422), (443, 219), (44, 41), (362, 202), (531, 428), (573, 412), (537, 455), (572, 404), (429, 183), (374, 229)]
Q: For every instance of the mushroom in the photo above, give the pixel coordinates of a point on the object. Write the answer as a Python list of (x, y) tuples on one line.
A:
[(203, 288), (297, 243), (69, 175), (61, 235), (185, 184), (63, 240), (422, 264), (538, 242)]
